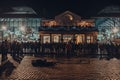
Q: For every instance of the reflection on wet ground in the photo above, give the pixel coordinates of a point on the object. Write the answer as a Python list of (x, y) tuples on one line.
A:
[(66, 69)]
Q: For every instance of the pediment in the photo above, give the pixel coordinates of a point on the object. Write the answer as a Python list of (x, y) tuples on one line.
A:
[(67, 18), (68, 14)]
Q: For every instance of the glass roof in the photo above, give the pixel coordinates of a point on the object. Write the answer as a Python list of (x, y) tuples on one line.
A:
[(19, 10), (110, 9)]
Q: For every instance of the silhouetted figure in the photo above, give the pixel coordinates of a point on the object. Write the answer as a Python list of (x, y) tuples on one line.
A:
[(6, 69), (68, 47), (4, 50)]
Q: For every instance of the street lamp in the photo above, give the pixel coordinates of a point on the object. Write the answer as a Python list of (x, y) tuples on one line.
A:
[(22, 29), (3, 28)]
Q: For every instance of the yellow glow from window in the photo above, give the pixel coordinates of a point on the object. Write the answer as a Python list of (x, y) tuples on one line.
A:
[(70, 16), (52, 23)]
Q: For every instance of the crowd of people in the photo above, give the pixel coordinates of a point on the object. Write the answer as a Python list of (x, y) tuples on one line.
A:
[(61, 49)]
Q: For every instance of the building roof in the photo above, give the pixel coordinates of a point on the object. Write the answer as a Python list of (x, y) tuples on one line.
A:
[(110, 11), (17, 11), (66, 13)]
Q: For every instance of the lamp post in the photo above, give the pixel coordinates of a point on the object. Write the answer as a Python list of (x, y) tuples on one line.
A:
[(3, 28), (11, 36), (22, 29), (4, 51)]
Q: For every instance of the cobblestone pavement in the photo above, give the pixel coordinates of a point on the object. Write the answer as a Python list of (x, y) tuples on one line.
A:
[(67, 69)]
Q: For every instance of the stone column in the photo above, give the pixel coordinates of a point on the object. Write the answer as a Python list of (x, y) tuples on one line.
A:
[(40, 39), (85, 41), (74, 38), (50, 38), (61, 38)]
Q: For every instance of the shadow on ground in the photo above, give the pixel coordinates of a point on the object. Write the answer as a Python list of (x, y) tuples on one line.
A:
[(6, 69)]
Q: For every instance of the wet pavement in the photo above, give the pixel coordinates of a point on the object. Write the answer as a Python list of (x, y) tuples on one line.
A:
[(66, 69)]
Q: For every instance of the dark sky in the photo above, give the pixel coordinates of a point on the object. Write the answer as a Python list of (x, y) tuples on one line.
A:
[(50, 8)]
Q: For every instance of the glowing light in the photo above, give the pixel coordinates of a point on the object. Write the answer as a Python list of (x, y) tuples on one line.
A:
[(115, 30), (4, 28), (22, 28), (70, 16)]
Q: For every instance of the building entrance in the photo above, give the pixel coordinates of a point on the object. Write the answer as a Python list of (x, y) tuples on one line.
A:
[(67, 38)]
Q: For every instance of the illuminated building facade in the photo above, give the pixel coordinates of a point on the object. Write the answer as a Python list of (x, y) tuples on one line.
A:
[(20, 23), (108, 24), (68, 27)]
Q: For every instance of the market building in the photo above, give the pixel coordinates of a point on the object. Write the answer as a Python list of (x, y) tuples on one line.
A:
[(108, 23), (68, 27), (19, 23)]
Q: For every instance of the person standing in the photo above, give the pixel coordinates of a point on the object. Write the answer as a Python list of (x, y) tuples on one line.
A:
[(68, 48), (4, 49)]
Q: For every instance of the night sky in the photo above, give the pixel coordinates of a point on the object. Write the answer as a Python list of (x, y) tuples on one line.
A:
[(50, 8)]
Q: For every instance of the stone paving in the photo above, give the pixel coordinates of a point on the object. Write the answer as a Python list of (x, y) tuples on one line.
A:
[(67, 69)]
